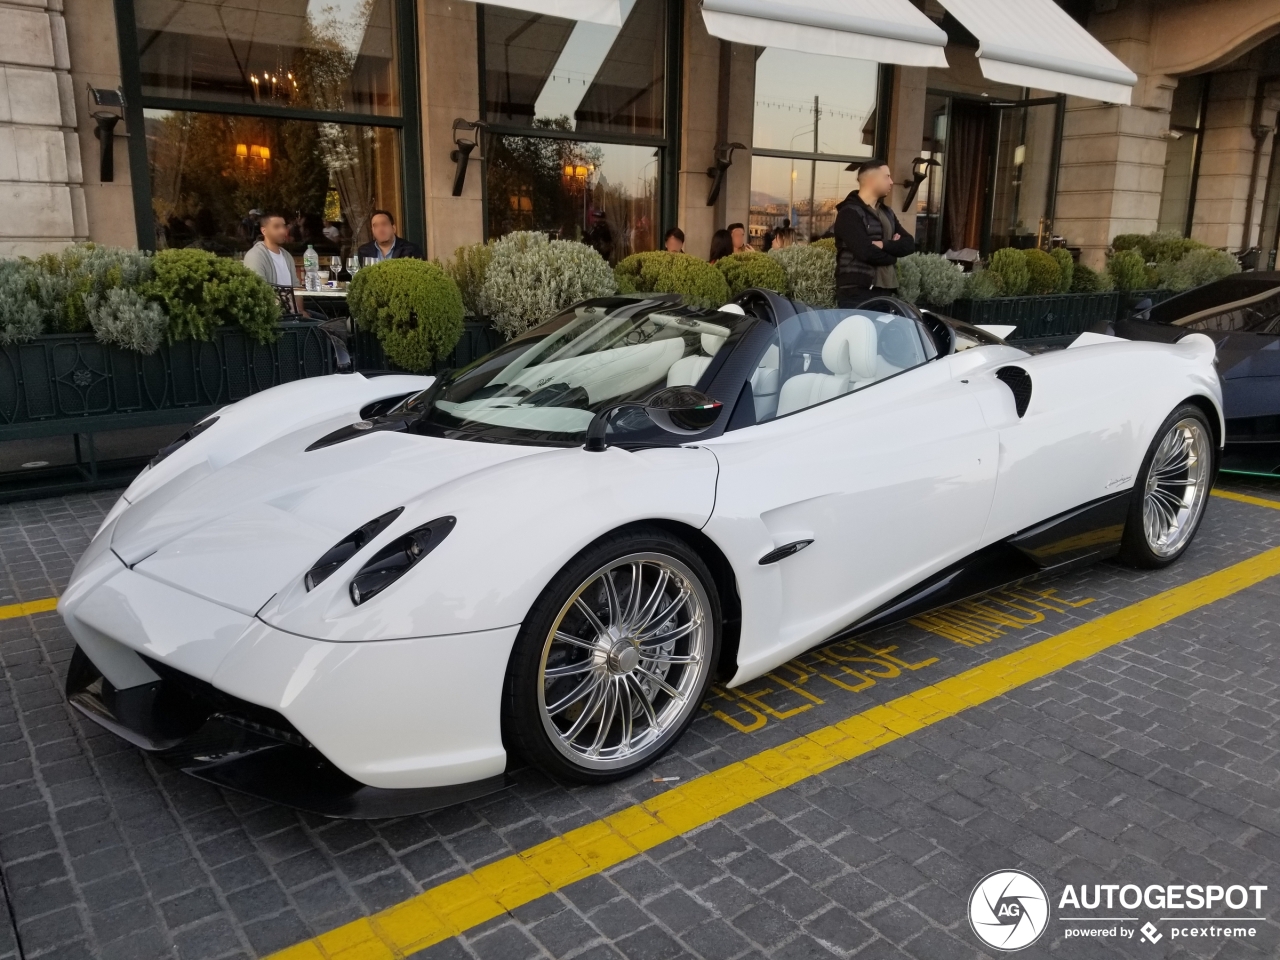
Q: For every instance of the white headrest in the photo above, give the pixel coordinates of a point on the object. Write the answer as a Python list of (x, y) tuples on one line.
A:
[(851, 348), (711, 343), (732, 308)]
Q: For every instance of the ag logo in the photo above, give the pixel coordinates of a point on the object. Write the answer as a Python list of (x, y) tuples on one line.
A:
[(1008, 910)]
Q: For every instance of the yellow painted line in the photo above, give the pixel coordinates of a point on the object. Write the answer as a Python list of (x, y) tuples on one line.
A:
[(489, 891), (32, 606), (1245, 498)]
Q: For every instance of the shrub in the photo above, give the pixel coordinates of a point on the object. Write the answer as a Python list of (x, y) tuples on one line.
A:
[(701, 284), (1067, 265), (940, 282), (1087, 280), (125, 318), (1197, 267), (745, 270), (201, 292), (1127, 241), (467, 268), (413, 306), (983, 284), (826, 243), (20, 315), (1043, 272), (811, 273), (530, 279), (1162, 246), (1010, 266), (65, 279), (1128, 270), (910, 283)]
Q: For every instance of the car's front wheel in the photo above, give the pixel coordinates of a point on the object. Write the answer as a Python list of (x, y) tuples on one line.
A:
[(615, 657), (1171, 490)]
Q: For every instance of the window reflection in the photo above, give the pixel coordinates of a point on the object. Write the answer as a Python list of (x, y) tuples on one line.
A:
[(803, 192), (585, 77), (319, 54), (212, 175), (605, 195), (793, 88)]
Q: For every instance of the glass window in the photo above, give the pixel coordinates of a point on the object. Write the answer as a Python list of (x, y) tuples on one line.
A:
[(584, 77), (603, 194), (1024, 173), (212, 174), (802, 192), (319, 54), (824, 354), (809, 103)]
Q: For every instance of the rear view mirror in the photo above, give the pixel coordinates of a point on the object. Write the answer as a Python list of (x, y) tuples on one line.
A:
[(681, 410)]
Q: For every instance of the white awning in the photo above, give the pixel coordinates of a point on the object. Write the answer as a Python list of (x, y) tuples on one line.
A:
[(886, 31), (608, 12), (1035, 43)]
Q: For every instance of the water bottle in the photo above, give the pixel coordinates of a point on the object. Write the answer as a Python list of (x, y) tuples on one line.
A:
[(311, 268)]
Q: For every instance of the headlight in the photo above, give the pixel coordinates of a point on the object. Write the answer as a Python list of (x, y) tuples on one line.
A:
[(190, 435), (394, 560), (346, 548)]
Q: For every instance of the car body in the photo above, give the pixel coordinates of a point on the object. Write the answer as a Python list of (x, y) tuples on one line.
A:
[(1241, 314), (860, 466)]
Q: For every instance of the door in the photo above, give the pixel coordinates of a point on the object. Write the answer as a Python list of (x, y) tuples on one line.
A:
[(891, 478), (1023, 172)]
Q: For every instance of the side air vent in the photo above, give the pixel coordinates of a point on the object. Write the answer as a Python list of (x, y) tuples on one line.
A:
[(1019, 382)]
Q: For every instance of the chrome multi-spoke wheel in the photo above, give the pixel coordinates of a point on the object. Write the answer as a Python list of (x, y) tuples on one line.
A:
[(624, 663), (1177, 484)]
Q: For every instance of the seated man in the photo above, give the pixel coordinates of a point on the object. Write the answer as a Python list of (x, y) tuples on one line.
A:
[(268, 258), (386, 245)]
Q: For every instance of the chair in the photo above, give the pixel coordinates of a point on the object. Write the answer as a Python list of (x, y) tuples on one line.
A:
[(288, 302), (687, 371), (849, 353)]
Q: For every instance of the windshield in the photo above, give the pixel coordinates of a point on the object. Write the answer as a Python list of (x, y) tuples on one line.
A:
[(546, 386)]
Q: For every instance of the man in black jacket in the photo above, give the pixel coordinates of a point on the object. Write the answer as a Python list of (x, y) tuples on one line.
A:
[(386, 245), (869, 239)]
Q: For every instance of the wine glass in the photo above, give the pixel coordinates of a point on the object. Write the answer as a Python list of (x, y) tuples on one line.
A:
[(335, 264), (353, 265)]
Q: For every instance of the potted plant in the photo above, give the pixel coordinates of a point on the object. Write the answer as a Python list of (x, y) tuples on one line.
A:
[(413, 308)]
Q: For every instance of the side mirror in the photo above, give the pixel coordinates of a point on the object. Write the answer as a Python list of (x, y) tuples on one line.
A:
[(681, 410)]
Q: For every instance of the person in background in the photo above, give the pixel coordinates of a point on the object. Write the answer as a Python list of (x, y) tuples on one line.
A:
[(869, 239), (783, 237), (770, 235), (738, 233), (673, 240), (268, 258), (386, 245), (721, 245)]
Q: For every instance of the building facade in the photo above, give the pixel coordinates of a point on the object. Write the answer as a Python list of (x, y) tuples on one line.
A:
[(177, 122)]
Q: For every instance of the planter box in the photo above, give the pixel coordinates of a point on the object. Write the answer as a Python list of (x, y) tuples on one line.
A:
[(72, 383), (1051, 315), (478, 338)]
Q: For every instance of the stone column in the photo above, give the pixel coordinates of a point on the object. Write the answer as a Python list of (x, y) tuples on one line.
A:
[(1112, 169), (40, 176), (906, 134), (1227, 158), (699, 95), (95, 62), (450, 83)]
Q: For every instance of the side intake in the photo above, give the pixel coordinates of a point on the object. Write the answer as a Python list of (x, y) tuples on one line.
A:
[(1019, 382)]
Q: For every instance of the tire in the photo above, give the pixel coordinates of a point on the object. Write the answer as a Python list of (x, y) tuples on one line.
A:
[(1170, 491), (633, 665)]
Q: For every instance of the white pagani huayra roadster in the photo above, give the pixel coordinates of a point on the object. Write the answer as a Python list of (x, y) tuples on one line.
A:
[(363, 595)]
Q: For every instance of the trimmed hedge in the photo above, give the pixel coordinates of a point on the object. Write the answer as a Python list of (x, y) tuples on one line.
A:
[(700, 283), (413, 306), (742, 271)]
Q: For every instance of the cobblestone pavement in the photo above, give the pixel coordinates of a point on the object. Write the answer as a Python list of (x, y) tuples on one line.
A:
[(1154, 762)]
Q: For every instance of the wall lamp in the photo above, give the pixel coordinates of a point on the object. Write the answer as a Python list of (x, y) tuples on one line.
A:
[(105, 129), (919, 173), (724, 160), (461, 153)]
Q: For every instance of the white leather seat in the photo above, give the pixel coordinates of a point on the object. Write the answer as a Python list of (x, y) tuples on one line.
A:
[(687, 371), (849, 352), (764, 385)]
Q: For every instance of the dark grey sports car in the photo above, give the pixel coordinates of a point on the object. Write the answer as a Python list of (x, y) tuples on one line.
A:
[(1241, 314)]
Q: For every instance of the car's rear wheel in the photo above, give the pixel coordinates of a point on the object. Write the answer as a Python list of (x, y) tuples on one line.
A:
[(615, 657), (1171, 490)]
